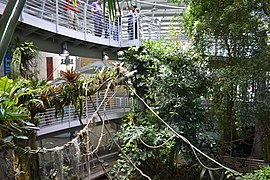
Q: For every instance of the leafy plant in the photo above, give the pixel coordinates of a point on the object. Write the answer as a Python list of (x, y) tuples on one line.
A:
[(137, 130), (172, 79), (261, 174), (232, 36), (23, 59), (22, 99), (14, 117)]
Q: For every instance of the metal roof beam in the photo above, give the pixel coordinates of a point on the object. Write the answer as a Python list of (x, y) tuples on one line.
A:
[(161, 5)]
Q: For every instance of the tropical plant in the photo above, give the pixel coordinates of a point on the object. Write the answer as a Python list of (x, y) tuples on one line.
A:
[(23, 60), (261, 174), (171, 79), (14, 115), (232, 35), (16, 124), (22, 99), (137, 130)]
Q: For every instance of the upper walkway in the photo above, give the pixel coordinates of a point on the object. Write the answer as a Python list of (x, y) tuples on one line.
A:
[(48, 25)]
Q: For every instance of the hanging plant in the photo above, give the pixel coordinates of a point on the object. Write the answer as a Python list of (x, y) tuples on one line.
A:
[(23, 59)]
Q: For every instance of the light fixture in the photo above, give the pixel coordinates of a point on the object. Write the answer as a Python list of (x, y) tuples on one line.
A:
[(104, 56), (64, 51)]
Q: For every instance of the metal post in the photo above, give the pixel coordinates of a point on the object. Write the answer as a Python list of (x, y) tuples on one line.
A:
[(8, 23), (69, 116), (159, 29), (137, 30), (97, 100), (152, 21), (110, 28), (85, 21), (43, 7), (57, 15), (124, 104), (133, 27), (121, 26)]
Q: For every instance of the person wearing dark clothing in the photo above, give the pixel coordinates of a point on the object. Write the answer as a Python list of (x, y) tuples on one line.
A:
[(133, 24)]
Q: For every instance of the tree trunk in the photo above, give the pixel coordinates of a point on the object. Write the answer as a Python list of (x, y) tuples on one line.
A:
[(259, 127), (29, 162), (257, 146), (6, 162)]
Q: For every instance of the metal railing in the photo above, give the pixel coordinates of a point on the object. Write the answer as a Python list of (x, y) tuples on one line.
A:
[(84, 20), (120, 103)]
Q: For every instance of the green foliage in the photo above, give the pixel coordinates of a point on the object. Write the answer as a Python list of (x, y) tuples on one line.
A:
[(172, 79), (23, 59), (139, 128), (230, 27), (261, 174), (22, 99), (232, 34), (28, 49), (14, 116)]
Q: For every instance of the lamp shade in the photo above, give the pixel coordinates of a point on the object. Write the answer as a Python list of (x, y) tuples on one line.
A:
[(64, 52), (105, 56)]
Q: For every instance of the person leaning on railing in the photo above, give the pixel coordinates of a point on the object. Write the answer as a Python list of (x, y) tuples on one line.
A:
[(71, 8)]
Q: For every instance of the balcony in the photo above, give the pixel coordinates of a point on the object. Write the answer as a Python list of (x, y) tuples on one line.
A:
[(47, 24), (52, 124)]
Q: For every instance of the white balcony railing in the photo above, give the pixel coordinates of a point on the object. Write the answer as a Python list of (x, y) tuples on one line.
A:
[(120, 104), (119, 29)]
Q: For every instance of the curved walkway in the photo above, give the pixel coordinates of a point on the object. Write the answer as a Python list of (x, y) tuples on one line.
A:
[(52, 124), (52, 17)]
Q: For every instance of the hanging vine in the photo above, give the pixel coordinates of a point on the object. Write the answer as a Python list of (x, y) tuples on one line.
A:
[(26, 99)]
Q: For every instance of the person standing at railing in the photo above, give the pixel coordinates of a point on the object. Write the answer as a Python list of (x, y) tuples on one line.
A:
[(138, 17), (97, 17), (117, 24), (71, 8), (132, 24), (107, 22)]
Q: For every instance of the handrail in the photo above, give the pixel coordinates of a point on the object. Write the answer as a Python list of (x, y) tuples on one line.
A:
[(161, 5), (83, 21), (118, 104)]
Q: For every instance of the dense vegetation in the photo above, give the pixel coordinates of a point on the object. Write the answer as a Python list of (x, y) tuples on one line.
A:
[(22, 99), (227, 64), (172, 80), (214, 91)]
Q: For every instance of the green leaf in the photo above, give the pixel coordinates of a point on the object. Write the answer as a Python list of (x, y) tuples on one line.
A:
[(4, 83)]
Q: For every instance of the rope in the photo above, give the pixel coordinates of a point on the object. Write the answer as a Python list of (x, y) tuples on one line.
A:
[(194, 148)]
